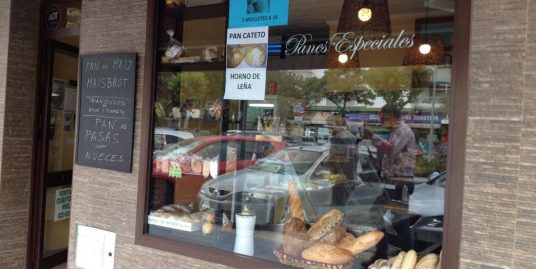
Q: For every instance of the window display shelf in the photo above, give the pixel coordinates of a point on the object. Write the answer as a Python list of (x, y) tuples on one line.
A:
[(264, 245)]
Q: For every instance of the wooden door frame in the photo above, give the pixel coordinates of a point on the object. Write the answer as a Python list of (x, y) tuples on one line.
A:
[(38, 188)]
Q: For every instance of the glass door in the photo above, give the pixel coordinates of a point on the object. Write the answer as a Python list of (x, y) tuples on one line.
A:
[(56, 146)]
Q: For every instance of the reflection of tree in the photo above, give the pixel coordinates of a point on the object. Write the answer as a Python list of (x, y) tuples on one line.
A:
[(347, 85), (337, 86), (396, 85), (399, 85), (200, 87)]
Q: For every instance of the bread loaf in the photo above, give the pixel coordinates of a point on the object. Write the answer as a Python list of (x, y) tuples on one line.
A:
[(396, 262), (380, 264), (410, 259), (324, 225), (294, 237), (335, 235), (438, 266), (363, 242), (207, 228), (348, 237), (327, 254), (295, 202), (427, 262)]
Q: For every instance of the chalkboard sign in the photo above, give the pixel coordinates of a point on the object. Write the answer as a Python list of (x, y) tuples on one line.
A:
[(106, 111)]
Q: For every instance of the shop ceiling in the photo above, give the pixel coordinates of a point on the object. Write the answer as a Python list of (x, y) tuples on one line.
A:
[(317, 13)]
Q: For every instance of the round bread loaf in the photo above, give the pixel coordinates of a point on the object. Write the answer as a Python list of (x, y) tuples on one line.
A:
[(410, 259), (325, 224), (327, 254), (335, 235), (427, 262), (207, 228), (295, 237)]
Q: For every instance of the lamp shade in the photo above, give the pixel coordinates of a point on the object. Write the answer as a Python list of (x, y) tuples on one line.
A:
[(436, 55), (378, 25)]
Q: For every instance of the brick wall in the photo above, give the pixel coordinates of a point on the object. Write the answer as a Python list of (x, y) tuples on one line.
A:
[(19, 24), (499, 210), (105, 199)]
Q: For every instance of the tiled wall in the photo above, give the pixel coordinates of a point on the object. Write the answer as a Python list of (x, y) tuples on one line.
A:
[(19, 24), (499, 213)]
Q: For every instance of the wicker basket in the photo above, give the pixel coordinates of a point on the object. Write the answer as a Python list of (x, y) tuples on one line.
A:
[(301, 263)]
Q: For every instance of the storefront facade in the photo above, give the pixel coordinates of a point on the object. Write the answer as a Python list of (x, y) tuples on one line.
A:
[(488, 215)]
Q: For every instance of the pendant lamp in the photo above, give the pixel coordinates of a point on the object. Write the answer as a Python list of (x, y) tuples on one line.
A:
[(369, 18), (425, 50)]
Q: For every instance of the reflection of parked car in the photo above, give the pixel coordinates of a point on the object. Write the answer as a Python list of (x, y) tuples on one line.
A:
[(428, 202), (428, 199), (190, 156), (165, 137), (320, 180)]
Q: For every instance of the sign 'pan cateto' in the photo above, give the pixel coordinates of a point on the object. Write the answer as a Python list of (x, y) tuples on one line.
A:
[(106, 111)]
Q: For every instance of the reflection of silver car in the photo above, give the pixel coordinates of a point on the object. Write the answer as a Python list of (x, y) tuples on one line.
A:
[(428, 199), (428, 202), (321, 182)]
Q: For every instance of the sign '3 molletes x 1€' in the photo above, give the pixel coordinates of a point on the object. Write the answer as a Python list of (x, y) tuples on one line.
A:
[(347, 42)]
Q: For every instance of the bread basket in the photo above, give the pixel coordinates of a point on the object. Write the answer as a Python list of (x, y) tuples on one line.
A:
[(298, 262)]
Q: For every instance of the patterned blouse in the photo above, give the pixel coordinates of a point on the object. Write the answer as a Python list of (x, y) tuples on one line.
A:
[(400, 152)]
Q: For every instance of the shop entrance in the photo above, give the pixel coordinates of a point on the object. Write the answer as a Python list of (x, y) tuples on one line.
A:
[(55, 155), (55, 136)]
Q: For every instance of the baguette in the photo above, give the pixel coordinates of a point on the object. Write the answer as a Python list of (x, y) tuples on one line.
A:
[(427, 262), (327, 254), (397, 260), (348, 237), (410, 259), (363, 242), (295, 202), (325, 224)]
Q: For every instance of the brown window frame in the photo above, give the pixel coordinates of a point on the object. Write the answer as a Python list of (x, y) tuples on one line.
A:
[(455, 165)]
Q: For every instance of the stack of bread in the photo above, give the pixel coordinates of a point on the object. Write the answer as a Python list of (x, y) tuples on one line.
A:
[(409, 260), (326, 244)]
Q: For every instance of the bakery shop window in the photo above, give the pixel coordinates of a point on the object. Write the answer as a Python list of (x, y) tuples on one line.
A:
[(336, 159)]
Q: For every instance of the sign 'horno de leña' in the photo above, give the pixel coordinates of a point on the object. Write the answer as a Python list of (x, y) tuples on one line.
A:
[(106, 111), (347, 42)]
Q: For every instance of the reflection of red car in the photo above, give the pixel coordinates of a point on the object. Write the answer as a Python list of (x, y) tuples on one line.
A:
[(191, 158)]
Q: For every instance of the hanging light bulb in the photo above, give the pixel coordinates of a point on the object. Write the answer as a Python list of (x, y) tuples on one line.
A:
[(425, 48), (343, 58), (364, 14)]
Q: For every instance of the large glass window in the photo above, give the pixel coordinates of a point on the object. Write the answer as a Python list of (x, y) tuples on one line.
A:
[(342, 164)]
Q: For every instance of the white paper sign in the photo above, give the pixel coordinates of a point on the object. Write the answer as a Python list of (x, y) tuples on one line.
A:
[(247, 57), (62, 204)]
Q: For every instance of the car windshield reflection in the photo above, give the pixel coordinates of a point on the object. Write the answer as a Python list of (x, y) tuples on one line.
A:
[(293, 162)]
